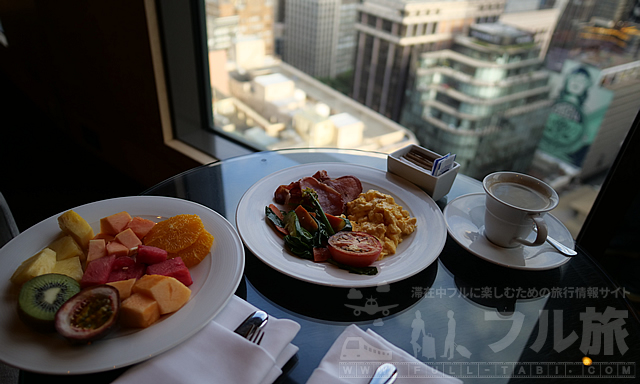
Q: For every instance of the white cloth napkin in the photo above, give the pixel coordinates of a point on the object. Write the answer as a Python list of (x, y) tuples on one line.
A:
[(216, 354), (373, 350)]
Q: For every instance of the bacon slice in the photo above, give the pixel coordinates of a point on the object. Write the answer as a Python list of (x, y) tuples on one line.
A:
[(330, 200), (321, 176), (349, 187), (333, 194), (288, 194)]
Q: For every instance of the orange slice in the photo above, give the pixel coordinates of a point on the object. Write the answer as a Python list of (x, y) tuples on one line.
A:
[(175, 233), (196, 252)]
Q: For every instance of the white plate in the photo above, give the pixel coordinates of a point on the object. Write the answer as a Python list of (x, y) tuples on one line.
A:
[(215, 281), (414, 254), (465, 221)]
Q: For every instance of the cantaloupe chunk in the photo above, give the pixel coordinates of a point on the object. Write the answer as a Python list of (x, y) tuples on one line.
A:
[(74, 225), (107, 238), (66, 248), (38, 264), (117, 248), (97, 249), (124, 287), (71, 267), (139, 311), (169, 293), (114, 224), (128, 238), (140, 226)]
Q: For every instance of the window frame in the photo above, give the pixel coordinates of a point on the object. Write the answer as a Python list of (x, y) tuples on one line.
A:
[(186, 64), (182, 31), (614, 198)]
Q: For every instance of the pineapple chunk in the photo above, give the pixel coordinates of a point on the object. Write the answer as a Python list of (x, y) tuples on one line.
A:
[(38, 264), (67, 248), (74, 225), (71, 267)]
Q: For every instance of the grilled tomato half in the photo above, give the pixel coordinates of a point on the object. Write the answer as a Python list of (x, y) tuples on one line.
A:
[(357, 249)]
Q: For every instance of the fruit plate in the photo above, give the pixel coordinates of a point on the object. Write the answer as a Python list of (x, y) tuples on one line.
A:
[(215, 281), (415, 253)]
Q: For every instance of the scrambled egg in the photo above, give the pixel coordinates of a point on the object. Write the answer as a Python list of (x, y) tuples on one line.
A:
[(378, 214)]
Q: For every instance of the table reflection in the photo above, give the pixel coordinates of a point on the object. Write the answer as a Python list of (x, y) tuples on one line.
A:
[(482, 322), (350, 305)]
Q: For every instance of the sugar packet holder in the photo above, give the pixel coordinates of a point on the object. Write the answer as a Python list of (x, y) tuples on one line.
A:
[(443, 164), (420, 166)]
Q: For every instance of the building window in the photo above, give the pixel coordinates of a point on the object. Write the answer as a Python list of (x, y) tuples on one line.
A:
[(198, 100)]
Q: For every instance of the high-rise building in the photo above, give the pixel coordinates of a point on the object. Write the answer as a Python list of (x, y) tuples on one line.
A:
[(485, 99), (319, 36), (541, 22), (612, 9), (222, 24), (565, 36), (229, 20), (392, 34)]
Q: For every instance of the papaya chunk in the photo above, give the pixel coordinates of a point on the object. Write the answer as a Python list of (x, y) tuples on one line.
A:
[(114, 224)]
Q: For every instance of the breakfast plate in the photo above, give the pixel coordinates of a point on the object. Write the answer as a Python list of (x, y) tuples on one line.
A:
[(415, 253), (215, 281), (465, 221)]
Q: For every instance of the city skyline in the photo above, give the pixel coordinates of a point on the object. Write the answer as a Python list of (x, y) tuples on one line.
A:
[(391, 39)]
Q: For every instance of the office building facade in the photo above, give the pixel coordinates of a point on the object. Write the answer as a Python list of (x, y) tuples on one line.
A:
[(392, 34), (319, 36), (230, 20), (485, 99)]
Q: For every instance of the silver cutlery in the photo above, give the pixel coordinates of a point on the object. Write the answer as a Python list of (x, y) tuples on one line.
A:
[(252, 327), (559, 246), (385, 374), (257, 336)]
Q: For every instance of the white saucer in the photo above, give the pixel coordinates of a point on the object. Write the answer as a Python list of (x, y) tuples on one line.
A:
[(465, 222)]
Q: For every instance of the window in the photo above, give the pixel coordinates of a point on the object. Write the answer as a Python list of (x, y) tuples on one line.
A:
[(191, 69), (182, 32)]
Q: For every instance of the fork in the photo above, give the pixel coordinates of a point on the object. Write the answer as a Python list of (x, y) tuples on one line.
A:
[(256, 336)]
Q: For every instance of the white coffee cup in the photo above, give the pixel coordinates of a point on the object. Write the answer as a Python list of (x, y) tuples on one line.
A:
[(515, 203)]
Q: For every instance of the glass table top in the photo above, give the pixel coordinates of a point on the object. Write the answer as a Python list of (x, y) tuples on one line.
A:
[(462, 315)]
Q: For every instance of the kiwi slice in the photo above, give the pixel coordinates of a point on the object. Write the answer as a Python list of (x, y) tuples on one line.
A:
[(42, 296)]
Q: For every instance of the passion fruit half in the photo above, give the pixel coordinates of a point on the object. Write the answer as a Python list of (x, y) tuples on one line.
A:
[(89, 315)]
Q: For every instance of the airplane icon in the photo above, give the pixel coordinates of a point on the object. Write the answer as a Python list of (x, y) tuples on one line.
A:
[(371, 307)]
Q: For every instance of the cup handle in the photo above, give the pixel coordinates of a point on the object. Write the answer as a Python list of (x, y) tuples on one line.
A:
[(541, 231)]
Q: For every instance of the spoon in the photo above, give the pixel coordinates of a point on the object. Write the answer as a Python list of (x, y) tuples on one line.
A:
[(559, 246)]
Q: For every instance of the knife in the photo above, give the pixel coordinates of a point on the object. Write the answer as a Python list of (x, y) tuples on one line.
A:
[(252, 324)]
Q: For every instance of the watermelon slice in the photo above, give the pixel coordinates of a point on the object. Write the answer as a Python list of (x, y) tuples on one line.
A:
[(97, 271), (125, 268), (150, 255), (173, 267)]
